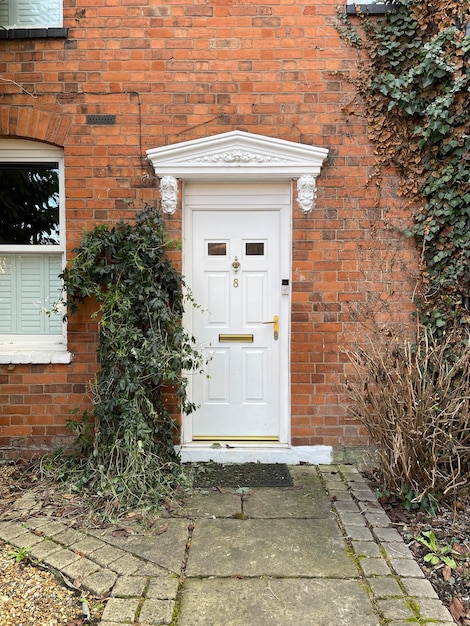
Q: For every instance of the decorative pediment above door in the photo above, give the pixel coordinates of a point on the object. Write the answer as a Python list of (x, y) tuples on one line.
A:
[(237, 156)]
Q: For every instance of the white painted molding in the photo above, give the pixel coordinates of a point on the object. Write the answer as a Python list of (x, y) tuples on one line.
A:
[(306, 192), (169, 194), (237, 156)]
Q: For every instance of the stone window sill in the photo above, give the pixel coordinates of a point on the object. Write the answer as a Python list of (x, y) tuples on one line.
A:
[(17, 357)]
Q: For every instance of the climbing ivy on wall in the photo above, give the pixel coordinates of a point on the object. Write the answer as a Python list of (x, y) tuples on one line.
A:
[(415, 81), (144, 353)]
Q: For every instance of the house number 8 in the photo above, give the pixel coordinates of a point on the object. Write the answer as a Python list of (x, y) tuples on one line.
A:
[(235, 282)]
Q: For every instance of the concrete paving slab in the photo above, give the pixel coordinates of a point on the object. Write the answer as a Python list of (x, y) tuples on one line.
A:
[(163, 588), (396, 609), (210, 504), (346, 506), (366, 548), (388, 534), (395, 550), (156, 612), (26, 539), (106, 555), (338, 495), (406, 568), (385, 587), (81, 568), (286, 563), (43, 549), (50, 529), (275, 602), (359, 533), (166, 550), (274, 547), (288, 503), (61, 558), (151, 569), (126, 565), (8, 531), (121, 610), (130, 586), (87, 546), (378, 519), (431, 609), (375, 567), (419, 587), (69, 537), (99, 583)]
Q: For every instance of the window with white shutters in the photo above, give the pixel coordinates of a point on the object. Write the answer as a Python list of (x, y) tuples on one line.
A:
[(30, 13), (32, 245)]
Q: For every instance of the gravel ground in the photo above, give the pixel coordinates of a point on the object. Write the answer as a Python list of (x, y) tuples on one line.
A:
[(32, 596)]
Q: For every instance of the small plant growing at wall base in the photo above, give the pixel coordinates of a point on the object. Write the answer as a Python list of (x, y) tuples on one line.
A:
[(143, 352)]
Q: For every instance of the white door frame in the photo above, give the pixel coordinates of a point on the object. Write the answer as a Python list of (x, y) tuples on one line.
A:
[(242, 157)]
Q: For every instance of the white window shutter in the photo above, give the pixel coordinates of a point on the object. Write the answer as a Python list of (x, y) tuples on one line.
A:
[(29, 287), (30, 13), (5, 13), (7, 295)]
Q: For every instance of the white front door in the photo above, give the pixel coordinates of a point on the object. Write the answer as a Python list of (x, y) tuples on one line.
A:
[(237, 266)]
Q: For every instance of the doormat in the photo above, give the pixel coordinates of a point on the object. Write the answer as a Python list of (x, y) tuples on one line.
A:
[(243, 475)]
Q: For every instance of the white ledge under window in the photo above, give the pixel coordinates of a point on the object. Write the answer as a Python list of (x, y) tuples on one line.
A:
[(36, 350)]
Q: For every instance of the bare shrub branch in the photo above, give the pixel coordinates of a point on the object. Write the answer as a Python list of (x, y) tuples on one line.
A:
[(413, 398)]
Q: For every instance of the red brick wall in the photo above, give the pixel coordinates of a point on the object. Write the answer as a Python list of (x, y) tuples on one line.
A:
[(177, 71)]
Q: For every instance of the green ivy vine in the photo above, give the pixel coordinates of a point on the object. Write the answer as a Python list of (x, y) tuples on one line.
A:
[(143, 351), (415, 82)]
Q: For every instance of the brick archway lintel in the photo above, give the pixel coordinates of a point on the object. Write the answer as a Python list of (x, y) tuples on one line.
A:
[(26, 122)]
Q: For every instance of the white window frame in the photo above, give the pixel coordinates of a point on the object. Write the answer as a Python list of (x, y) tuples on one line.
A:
[(44, 348), (43, 19)]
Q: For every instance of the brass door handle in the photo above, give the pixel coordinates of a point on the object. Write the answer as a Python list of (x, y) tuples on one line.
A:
[(275, 322)]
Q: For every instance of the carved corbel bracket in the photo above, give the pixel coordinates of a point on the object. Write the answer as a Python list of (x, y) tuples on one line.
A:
[(169, 194), (306, 193)]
